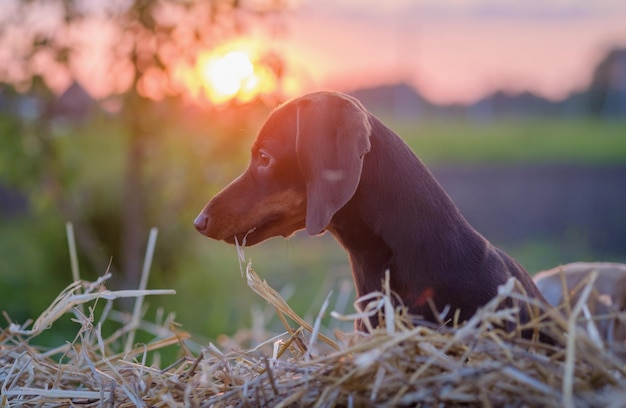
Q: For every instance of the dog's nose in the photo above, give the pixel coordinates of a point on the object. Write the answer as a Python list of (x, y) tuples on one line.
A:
[(201, 222)]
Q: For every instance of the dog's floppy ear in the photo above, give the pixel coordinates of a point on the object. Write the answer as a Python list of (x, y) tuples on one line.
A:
[(333, 135)]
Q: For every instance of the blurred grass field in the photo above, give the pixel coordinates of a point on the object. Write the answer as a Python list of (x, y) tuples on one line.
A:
[(580, 141), (212, 297)]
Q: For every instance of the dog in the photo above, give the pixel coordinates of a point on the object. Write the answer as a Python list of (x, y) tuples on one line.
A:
[(606, 300), (322, 162)]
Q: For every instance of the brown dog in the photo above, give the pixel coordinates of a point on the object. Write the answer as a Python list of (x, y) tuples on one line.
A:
[(323, 162), (606, 299)]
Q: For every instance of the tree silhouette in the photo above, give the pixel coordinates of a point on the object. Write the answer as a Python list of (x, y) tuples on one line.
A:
[(607, 91), (135, 47)]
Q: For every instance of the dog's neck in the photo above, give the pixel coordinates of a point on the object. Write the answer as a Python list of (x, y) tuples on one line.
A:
[(401, 216)]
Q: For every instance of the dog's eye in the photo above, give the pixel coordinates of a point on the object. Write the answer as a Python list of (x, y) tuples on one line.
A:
[(264, 159)]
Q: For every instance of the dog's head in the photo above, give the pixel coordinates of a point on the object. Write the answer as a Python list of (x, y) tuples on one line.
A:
[(306, 164)]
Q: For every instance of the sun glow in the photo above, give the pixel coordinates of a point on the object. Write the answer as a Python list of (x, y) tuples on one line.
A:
[(228, 76), (237, 72)]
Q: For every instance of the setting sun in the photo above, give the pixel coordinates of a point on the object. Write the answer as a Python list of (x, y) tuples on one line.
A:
[(241, 71), (228, 76)]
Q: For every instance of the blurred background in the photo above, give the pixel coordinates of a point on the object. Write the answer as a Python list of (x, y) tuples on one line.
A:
[(121, 115)]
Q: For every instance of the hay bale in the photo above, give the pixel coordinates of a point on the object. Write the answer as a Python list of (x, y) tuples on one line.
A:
[(398, 364), (606, 304)]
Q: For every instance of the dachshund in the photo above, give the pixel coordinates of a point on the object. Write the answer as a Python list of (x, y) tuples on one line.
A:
[(322, 162)]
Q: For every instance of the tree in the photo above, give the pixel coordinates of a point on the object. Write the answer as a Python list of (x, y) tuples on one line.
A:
[(607, 91), (138, 46)]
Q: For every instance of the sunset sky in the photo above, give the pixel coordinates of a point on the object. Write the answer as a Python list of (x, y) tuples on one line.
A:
[(452, 50)]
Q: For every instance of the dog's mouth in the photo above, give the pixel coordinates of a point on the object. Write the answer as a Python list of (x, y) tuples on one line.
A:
[(272, 227)]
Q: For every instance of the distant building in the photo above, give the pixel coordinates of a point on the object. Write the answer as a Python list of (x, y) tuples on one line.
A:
[(74, 105)]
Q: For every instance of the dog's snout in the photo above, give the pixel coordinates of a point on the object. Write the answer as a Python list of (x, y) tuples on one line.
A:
[(201, 222)]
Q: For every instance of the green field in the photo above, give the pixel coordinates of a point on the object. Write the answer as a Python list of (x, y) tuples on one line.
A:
[(516, 141)]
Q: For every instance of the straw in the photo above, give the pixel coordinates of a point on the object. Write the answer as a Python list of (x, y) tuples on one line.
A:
[(143, 284), (399, 363)]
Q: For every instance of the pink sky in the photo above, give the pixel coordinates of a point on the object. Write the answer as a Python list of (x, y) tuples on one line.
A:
[(453, 50)]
